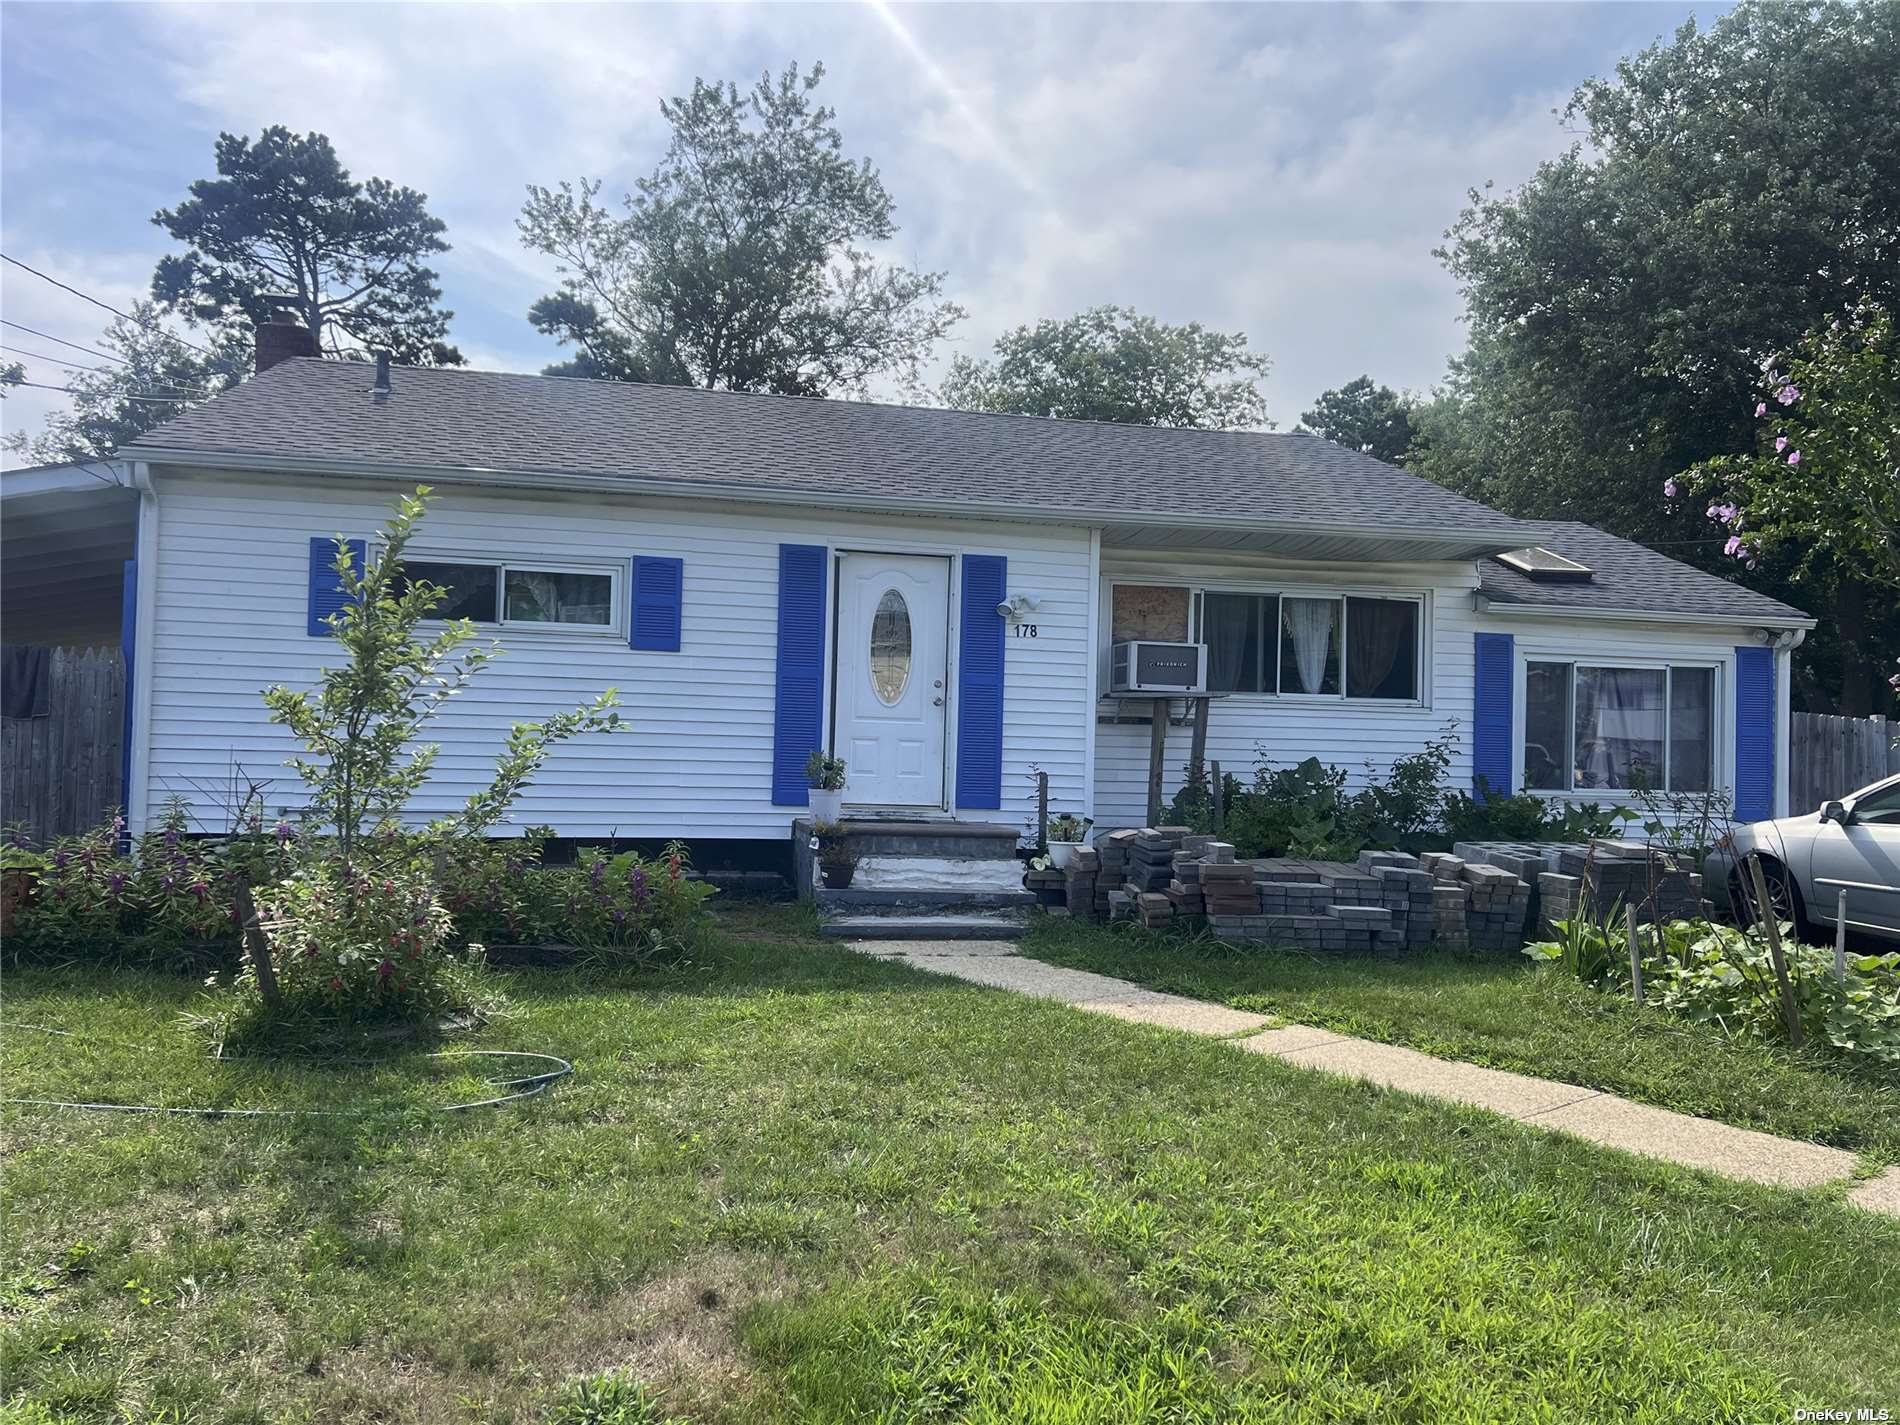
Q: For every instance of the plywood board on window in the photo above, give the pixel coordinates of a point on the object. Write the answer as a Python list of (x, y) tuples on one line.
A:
[(1148, 611)]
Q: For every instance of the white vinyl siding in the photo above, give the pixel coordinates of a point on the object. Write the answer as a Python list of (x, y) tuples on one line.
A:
[(1347, 732), (1363, 735), (229, 618)]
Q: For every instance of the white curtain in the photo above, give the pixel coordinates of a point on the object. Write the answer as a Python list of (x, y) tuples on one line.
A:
[(1620, 725), (1310, 624)]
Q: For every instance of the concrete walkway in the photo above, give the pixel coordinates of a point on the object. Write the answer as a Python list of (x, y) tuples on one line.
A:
[(1567, 1108)]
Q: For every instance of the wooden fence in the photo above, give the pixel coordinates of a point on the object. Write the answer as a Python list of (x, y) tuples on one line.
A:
[(61, 773), (1828, 757)]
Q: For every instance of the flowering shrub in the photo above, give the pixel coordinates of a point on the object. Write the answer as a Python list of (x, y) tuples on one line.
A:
[(379, 945), (173, 894), (1721, 975), (494, 889), (627, 907), (1822, 474)]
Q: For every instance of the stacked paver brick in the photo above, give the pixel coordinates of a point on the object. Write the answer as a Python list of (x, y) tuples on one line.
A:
[(1608, 877), (1083, 874), (1405, 889), (1185, 890), (1111, 900)]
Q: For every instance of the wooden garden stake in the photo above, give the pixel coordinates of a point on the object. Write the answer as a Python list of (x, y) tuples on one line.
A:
[(1042, 811), (1771, 924), (1636, 954), (1220, 801), (257, 944), (1197, 742), (1840, 937), (1157, 755)]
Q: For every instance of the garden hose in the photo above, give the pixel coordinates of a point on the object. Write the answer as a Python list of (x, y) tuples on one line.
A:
[(523, 1087)]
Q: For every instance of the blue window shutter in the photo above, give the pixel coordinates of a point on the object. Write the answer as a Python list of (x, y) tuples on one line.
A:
[(798, 716), (326, 594), (658, 585), (129, 652), (1492, 694), (980, 683), (1754, 733)]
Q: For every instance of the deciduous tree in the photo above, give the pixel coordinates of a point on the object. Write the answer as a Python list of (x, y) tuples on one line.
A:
[(157, 376), (1360, 416), (742, 261), (1731, 188), (1114, 364)]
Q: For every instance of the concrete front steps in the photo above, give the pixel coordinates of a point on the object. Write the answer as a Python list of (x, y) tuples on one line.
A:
[(924, 880)]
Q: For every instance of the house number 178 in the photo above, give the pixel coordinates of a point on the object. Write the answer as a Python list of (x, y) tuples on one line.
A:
[(1026, 630)]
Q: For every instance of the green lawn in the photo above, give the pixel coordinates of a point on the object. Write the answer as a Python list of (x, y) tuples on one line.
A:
[(1506, 1012), (789, 1182)]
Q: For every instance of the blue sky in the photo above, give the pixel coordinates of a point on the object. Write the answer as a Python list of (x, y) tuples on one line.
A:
[(1279, 169)]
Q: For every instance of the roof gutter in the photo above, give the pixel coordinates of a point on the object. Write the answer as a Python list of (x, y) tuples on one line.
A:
[(1487, 605), (1466, 540)]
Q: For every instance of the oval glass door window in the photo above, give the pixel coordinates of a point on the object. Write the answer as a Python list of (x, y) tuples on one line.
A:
[(890, 647)]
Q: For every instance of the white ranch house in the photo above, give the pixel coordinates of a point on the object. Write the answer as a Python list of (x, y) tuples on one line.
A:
[(933, 594)]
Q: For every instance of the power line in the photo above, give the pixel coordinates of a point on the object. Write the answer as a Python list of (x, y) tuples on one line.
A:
[(61, 341), (51, 360), (105, 306), (162, 399), (195, 393)]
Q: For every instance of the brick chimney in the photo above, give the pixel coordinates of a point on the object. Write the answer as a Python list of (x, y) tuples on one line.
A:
[(282, 337)]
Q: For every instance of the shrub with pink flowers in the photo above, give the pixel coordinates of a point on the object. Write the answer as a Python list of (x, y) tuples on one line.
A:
[(1825, 472)]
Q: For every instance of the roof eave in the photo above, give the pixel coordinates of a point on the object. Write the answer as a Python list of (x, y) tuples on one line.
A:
[(1468, 543), (1504, 608)]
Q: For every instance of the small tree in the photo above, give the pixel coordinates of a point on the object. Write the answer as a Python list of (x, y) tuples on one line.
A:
[(365, 885), (1360, 416), (155, 376)]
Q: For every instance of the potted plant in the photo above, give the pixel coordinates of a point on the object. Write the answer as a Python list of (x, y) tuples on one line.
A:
[(1065, 838), (826, 775), (837, 858)]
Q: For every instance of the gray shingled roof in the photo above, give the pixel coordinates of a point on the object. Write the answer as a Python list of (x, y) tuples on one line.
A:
[(1627, 576), (461, 420)]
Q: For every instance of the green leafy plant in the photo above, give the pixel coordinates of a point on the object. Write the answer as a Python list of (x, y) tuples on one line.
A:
[(1724, 976), (624, 907), (610, 1398), (824, 772), (1068, 827)]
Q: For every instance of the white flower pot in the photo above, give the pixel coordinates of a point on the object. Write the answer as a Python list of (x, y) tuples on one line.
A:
[(1061, 853), (827, 805)]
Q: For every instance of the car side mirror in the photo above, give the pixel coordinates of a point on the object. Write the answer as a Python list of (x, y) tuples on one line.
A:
[(1835, 812)]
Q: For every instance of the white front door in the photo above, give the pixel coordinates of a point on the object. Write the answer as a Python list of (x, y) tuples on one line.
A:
[(892, 670)]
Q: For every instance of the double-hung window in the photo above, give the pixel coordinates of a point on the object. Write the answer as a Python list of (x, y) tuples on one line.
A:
[(1306, 645), (510, 594), (1603, 727)]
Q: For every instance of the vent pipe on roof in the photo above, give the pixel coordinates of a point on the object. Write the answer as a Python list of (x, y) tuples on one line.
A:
[(382, 373)]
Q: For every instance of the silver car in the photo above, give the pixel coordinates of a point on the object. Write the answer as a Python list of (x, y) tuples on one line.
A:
[(1851, 846)]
